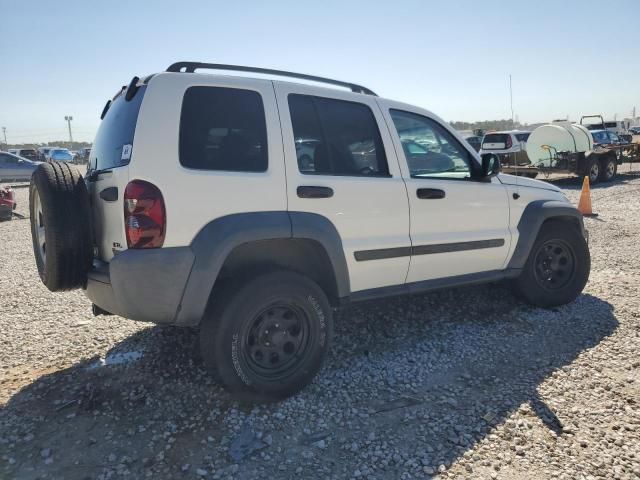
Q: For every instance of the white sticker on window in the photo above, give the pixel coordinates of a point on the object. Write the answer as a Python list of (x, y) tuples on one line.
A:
[(126, 152)]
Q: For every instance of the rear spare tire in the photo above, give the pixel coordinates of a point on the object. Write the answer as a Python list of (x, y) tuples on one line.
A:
[(60, 226)]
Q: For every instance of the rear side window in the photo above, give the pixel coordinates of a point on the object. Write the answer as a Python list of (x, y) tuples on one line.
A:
[(522, 137), (336, 137), (223, 129), (114, 140)]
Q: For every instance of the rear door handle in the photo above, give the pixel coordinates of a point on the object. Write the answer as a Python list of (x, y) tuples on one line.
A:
[(109, 194), (430, 193), (305, 191)]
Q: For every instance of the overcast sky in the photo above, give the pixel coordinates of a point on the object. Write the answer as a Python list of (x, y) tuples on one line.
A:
[(453, 57)]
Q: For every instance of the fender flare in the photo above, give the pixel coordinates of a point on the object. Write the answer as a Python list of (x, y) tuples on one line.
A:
[(216, 240), (533, 216)]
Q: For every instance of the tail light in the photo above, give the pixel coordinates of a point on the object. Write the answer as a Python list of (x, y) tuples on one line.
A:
[(508, 143), (144, 215)]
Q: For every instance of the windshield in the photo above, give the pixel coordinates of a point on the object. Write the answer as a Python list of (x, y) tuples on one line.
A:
[(600, 137)]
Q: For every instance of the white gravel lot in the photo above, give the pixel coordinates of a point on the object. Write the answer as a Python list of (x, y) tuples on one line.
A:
[(467, 383)]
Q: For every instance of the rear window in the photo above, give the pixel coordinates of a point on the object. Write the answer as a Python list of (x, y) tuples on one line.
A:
[(496, 138), (223, 129), (114, 140)]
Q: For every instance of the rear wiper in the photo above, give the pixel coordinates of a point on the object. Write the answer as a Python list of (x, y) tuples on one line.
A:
[(92, 176), (105, 109)]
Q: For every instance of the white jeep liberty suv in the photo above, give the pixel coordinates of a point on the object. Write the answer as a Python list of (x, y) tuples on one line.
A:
[(253, 207)]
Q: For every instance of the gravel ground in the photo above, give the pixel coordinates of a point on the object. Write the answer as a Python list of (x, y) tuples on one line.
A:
[(466, 383)]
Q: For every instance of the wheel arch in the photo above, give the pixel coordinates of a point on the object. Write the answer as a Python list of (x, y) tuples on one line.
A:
[(536, 214), (241, 244)]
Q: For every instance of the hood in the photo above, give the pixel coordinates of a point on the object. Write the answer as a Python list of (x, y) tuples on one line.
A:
[(526, 182)]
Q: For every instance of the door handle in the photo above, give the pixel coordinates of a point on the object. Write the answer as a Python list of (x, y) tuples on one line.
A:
[(305, 191), (109, 194), (430, 193)]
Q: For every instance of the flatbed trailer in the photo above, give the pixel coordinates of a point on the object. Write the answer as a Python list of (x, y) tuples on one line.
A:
[(600, 164)]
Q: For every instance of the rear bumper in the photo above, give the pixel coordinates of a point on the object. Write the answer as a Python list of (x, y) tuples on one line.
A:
[(145, 285)]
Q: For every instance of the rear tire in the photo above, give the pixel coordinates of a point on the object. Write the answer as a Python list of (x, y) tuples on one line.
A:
[(557, 268), (608, 168), (60, 226), (269, 338), (593, 170)]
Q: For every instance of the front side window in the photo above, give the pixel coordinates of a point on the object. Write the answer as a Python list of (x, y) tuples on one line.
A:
[(430, 150), (223, 129), (336, 137)]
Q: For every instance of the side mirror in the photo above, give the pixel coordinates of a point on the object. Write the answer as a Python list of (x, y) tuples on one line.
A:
[(490, 165)]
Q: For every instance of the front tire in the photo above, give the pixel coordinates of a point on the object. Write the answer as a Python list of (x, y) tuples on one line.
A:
[(269, 338), (557, 268)]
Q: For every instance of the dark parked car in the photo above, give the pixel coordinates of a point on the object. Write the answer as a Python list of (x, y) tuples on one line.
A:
[(83, 155), (28, 153), (14, 168), (606, 137), (475, 142)]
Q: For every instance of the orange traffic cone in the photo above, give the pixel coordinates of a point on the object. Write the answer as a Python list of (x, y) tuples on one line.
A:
[(584, 205)]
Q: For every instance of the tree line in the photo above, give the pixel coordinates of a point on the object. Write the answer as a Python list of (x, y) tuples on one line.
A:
[(60, 143)]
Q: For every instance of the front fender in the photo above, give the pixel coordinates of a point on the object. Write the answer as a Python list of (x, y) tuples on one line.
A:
[(533, 216)]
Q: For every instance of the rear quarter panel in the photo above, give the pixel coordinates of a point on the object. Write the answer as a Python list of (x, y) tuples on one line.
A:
[(194, 198)]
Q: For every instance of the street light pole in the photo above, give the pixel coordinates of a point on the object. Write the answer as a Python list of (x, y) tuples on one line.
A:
[(68, 118), (4, 132)]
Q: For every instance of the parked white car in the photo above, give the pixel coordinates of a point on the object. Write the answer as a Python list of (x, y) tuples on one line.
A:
[(505, 142), (206, 213)]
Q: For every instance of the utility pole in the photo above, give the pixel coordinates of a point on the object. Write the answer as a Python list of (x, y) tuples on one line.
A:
[(513, 125), (68, 118), (4, 132)]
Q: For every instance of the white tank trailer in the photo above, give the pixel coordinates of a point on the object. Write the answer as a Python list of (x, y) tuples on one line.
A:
[(558, 137), (564, 147)]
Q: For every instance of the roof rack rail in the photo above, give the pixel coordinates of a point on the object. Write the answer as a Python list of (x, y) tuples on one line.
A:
[(190, 67)]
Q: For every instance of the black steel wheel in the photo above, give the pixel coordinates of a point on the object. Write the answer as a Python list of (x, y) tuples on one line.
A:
[(554, 264), (265, 339), (276, 340), (558, 265)]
